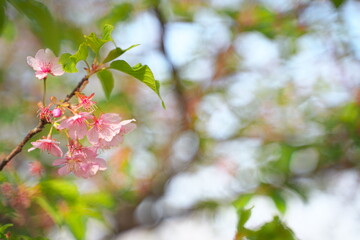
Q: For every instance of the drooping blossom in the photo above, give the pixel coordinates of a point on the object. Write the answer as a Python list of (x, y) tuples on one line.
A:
[(49, 145), (85, 101), (44, 63), (77, 125), (108, 129), (80, 164)]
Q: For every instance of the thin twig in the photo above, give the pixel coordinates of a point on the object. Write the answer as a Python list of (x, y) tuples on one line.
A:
[(40, 126)]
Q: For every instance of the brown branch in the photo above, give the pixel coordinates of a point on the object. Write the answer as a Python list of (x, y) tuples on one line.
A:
[(40, 126)]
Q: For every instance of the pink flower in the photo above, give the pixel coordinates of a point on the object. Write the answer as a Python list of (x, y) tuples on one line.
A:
[(45, 63), (105, 127), (86, 102), (77, 125), (81, 165), (109, 131), (48, 144)]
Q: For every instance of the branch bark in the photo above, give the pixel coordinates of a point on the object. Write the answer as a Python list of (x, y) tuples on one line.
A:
[(40, 126)]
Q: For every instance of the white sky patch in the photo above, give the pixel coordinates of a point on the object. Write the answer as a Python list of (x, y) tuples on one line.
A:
[(215, 31), (258, 52), (219, 225), (144, 29), (186, 189), (226, 3), (351, 18), (242, 90), (181, 42)]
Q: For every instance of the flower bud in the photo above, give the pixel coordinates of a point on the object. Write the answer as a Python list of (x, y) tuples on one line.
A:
[(56, 112)]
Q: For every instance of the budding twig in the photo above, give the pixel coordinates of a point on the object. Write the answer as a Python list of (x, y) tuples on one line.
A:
[(40, 126)]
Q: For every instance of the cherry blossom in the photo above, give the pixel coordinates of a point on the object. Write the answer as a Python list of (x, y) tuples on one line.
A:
[(77, 125), (85, 101), (124, 127), (44, 63), (49, 145), (105, 128), (81, 165)]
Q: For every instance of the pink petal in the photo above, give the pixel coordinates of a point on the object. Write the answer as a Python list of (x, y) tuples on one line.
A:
[(31, 149), (40, 75), (93, 135), (102, 164), (49, 55), (40, 56), (63, 171), (107, 133), (59, 161), (111, 118), (127, 128), (33, 63), (56, 150), (57, 70)]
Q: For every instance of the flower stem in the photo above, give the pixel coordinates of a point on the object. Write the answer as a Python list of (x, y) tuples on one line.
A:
[(44, 95), (50, 132)]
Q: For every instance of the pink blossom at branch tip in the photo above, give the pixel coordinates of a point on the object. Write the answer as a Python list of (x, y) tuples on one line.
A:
[(77, 125), (44, 63), (47, 144), (80, 165)]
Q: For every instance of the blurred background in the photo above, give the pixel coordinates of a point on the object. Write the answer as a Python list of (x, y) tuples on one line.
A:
[(262, 120)]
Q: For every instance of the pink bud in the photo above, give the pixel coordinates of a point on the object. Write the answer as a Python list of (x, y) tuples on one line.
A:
[(56, 112)]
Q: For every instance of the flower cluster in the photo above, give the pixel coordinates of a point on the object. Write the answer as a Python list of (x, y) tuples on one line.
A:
[(77, 122), (102, 132)]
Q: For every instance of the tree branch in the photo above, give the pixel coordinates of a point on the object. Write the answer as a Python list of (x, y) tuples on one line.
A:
[(40, 126)]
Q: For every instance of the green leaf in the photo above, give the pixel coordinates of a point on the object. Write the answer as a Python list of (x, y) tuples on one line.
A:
[(140, 72), (118, 13), (244, 215), (4, 227), (279, 201), (274, 230), (60, 188), (99, 199), (242, 200), (77, 225), (81, 53), (41, 22), (107, 30), (337, 3), (117, 52), (9, 31), (2, 15), (49, 209), (95, 43), (68, 63), (107, 82)]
